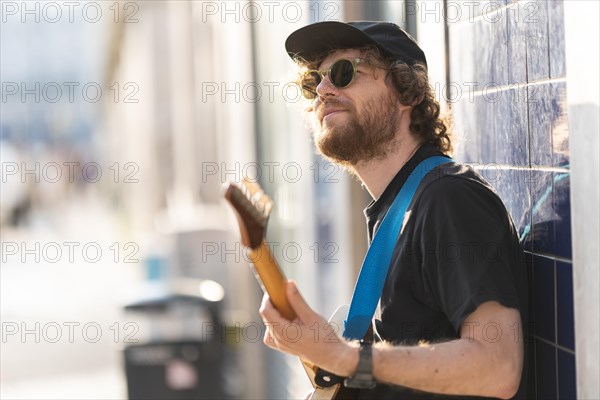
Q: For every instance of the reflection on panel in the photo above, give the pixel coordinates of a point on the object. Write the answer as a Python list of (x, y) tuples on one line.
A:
[(515, 127)]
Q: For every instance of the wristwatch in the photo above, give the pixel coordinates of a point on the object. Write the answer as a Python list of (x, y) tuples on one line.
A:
[(363, 378)]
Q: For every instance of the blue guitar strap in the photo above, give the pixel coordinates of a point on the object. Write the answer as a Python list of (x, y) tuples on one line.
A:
[(377, 261)]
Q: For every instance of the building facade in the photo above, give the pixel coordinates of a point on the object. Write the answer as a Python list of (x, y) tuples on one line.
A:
[(219, 106)]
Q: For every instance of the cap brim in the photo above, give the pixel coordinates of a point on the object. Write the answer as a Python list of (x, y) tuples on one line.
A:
[(314, 40)]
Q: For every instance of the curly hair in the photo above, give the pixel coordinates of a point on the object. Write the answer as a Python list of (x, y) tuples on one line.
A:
[(411, 84)]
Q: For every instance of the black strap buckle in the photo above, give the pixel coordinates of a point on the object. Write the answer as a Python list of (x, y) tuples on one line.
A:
[(326, 379)]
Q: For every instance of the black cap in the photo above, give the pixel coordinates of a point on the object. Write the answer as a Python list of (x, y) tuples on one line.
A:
[(317, 39)]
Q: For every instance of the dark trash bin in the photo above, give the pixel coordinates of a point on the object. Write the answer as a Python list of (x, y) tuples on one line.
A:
[(175, 370), (176, 359)]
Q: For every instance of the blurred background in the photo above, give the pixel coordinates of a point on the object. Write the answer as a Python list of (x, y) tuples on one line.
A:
[(122, 272)]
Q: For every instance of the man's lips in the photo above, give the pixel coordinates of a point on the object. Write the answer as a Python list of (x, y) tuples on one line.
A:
[(329, 111)]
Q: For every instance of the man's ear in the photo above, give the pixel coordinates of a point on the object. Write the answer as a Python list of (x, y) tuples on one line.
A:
[(403, 107), (418, 100), (376, 75)]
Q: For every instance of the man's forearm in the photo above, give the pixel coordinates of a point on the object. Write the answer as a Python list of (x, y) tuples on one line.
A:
[(478, 364), (456, 367)]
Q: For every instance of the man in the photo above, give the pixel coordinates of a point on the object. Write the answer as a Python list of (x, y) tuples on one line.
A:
[(453, 305)]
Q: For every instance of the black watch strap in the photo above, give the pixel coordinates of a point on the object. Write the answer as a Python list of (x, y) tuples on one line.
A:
[(363, 378)]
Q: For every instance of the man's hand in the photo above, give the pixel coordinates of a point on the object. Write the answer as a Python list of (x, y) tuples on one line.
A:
[(309, 336)]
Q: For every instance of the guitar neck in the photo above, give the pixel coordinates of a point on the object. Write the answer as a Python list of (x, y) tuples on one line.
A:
[(274, 283), (252, 207), (272, 278)]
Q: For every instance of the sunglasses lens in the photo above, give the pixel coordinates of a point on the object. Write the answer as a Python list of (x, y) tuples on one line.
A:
[(342, 72), (310, 81)]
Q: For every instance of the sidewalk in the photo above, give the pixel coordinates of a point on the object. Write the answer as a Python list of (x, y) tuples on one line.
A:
[(62, 322)]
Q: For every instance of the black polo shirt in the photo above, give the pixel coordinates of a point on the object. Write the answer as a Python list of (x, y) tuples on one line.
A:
[(458, 248)]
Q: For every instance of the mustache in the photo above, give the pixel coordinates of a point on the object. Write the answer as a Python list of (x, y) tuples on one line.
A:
[(320, 106), (330, 101)]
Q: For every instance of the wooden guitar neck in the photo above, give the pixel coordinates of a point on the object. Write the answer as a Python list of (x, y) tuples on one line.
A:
[(272, 278), (252, 208)]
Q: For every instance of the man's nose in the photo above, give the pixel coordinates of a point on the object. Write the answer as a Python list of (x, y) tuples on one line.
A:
[(326, 88)]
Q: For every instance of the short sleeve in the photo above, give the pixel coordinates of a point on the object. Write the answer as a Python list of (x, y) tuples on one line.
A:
[(468, 243)]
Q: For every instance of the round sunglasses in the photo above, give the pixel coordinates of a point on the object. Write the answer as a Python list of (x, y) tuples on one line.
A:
[(341, 74)]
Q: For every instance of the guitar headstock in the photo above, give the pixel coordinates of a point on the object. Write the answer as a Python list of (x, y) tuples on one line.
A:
[(252, 207)]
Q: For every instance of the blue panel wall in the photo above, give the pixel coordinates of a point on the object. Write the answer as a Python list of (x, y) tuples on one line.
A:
[(511, 121)]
